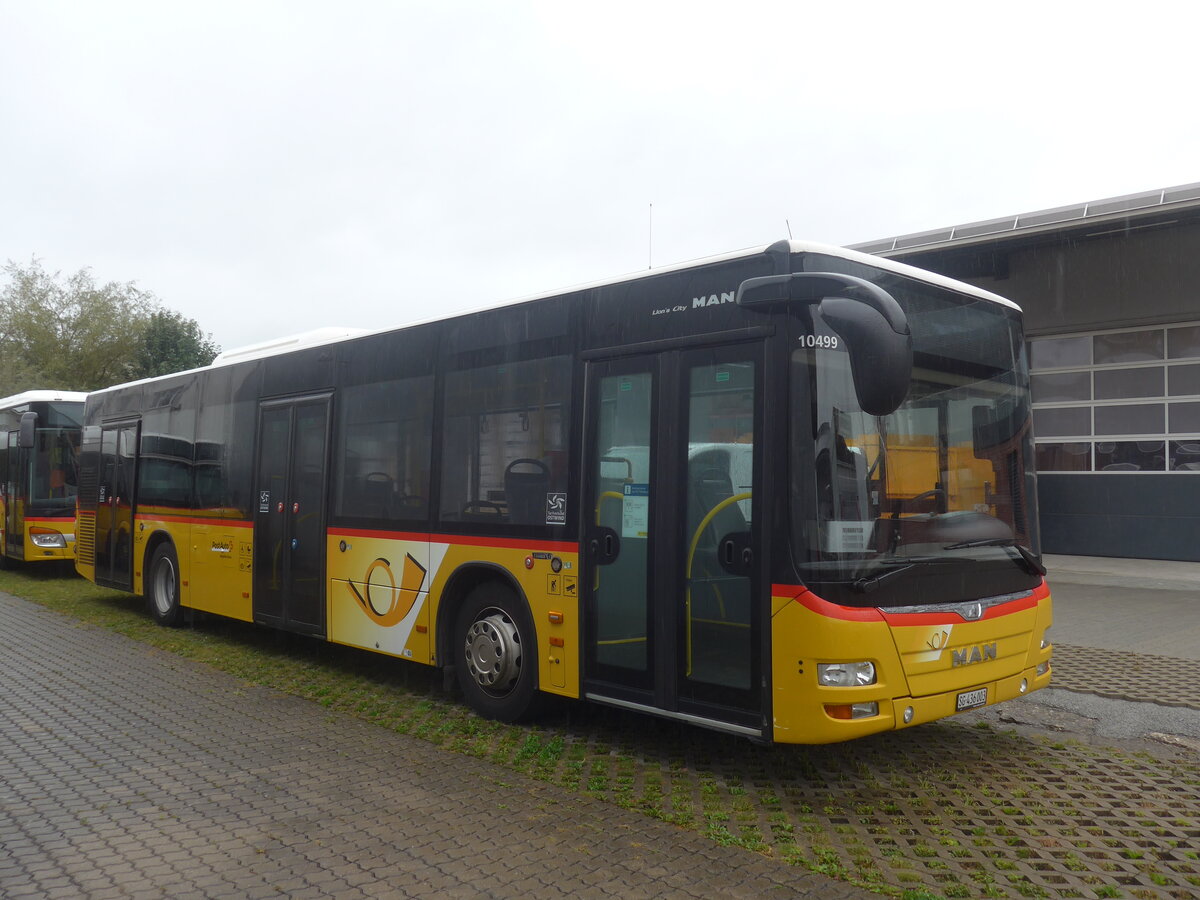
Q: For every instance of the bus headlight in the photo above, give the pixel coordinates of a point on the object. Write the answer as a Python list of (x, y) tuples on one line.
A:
[(851, 674), (48, 539), (1045, 638)]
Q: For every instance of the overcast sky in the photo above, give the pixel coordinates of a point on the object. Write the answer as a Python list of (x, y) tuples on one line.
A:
[(271, 167)]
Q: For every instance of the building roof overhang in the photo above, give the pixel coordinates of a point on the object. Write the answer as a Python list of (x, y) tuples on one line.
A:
[(1092, 219)]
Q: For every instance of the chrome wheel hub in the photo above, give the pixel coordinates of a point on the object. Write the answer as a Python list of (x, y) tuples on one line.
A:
[(164, 586), (494, 651)]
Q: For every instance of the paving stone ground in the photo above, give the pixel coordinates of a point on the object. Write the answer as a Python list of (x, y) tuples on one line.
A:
[(126, 772)]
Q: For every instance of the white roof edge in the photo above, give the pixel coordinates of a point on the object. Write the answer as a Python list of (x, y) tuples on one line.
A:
[(314, 338), (42, 397), (323, 336), (890, 265)]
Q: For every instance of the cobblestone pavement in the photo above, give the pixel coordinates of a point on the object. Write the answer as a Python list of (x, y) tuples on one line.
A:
[(128, 772), (1128, 676)]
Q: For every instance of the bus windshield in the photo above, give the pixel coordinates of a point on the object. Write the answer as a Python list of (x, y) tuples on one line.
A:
[(52, 476), (935, 502)]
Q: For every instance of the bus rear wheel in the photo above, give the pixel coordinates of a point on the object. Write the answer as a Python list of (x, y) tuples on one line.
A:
[(496, 655), (162, 585)]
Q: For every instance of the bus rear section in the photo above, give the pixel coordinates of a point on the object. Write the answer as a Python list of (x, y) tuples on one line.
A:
[(39, 454)]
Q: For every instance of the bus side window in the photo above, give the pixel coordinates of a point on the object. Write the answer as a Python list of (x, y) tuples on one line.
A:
[(383, 462), (504, 452)]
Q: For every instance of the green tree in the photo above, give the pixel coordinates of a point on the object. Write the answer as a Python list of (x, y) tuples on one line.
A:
[(172, 343), (70, 333)]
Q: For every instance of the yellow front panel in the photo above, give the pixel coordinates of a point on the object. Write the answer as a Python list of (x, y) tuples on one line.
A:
[(62, 527), (949, 655), (924, 665), (800, 640)]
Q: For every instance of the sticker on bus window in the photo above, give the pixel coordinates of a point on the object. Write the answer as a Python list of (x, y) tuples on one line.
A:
[(847, 537), (264, 501), (635, 513), (556, 509)]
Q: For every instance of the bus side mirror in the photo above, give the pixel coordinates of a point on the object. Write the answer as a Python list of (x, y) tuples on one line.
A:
[(864, 315), (29, 422), (880, 359)]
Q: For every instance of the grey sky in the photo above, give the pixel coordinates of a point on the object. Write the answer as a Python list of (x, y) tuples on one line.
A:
[(271, 167)]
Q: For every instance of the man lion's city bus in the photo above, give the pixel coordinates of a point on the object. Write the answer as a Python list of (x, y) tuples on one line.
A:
[(39, 449), (786, 493)]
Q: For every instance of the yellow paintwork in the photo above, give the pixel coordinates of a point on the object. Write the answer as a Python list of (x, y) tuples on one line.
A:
[(214, 561), (913, 663), (34, 553), (384, 594)]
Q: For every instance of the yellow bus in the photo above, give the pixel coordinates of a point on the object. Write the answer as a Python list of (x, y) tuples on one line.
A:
[(785, 493), (38, 459)]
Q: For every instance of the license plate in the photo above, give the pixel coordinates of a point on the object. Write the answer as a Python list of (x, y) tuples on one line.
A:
[(971, 699)]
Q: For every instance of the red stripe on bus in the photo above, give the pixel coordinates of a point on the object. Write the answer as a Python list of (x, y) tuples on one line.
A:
[(463, 540), (385, 535), (49, 518), (193, 520), (809, 600)]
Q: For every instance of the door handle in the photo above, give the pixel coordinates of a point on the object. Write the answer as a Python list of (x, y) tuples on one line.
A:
[(604, 546)]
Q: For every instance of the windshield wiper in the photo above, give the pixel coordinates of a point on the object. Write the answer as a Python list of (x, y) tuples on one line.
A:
[(867, 584), (1028, 561)]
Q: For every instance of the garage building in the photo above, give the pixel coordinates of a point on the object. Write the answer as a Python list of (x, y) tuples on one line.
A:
[(1111, 294)]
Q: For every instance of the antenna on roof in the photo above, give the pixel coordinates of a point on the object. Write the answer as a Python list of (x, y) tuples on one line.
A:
[(789, 228), (650, 241)]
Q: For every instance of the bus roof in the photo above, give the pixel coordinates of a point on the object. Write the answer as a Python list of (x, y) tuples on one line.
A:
[(334, 335), (42, 397)]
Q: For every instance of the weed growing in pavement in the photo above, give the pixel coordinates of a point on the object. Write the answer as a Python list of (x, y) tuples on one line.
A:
[(945, 810)]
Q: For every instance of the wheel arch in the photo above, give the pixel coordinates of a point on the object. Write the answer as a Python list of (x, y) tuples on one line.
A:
[(462, 581), (157, 538)]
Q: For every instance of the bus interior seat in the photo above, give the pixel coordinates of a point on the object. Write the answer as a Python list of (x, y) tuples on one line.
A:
[(526, 483), (375, 495)]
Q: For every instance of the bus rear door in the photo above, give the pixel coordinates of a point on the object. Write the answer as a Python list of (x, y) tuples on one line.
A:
[(14, 526), (289, 523), (115, 504)]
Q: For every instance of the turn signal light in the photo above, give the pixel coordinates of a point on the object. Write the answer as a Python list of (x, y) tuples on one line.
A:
[(852, 710)]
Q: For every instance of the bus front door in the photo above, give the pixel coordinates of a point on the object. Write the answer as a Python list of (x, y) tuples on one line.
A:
[(672, 584), (115, 505), (289, 525), (14, 525)]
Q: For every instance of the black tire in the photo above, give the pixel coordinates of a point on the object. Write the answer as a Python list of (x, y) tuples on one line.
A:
[(496, 655), (162, 585)]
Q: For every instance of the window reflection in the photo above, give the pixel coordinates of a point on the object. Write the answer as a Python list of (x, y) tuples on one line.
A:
[(1130, 456)]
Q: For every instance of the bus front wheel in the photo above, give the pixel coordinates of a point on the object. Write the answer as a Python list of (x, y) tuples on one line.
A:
[(162, 585), (496, 654)]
